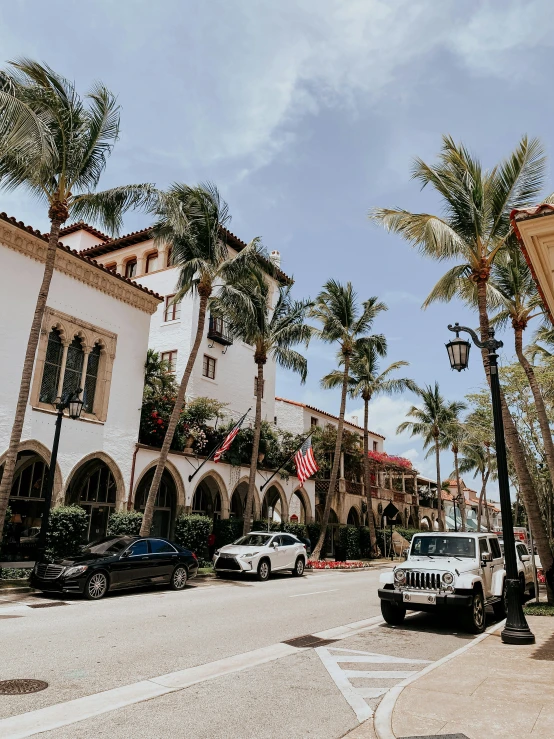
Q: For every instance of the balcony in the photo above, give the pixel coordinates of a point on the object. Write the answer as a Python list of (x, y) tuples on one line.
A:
[(218, 331)]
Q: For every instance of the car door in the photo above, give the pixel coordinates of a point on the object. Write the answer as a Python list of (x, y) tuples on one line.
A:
[(278, 554), (290, 549), (525, 560), (132, 566), (497, 557), (163, 557), (486, 567)]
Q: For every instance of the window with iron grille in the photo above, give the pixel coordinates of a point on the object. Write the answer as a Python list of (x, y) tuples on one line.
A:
[(171, 359), (172, 311), (256, 387), (208, 367), (73, 366), (30, 481), (131, 268), (91, 378), (52, 367)]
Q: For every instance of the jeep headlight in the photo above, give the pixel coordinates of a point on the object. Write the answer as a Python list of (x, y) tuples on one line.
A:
[(448, 578), (399, 577)]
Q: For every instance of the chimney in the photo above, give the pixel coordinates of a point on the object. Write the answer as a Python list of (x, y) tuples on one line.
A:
[(275, 257), (354, 420)]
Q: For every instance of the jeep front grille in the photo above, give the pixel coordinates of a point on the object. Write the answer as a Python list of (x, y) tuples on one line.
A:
[(423, 580)]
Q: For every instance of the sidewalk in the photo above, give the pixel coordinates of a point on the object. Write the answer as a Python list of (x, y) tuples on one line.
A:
[(491, 691)]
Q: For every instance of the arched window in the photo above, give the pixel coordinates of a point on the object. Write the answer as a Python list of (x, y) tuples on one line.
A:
[(73, 366), (91, 378), (131, 268), (152, 262), (52, 367)]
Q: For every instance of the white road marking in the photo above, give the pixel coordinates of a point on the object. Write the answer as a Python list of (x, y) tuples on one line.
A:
[(316, 592), (356, 697)]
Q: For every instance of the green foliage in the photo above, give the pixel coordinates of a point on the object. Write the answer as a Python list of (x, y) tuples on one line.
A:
[(348, 544), (227, 530), (14, 573), (67, 530), (123, 523), (365, 542), (192, 533), (314, 530), (538, 609), (156, 412), (323, 443)]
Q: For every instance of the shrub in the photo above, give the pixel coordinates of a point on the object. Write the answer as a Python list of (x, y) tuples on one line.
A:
[(192, 533), (67, 529), (14, 573), (314, 530), (123, 523), (262, 526), (349, 543), (365, 542), (298, 529), (226, 530)]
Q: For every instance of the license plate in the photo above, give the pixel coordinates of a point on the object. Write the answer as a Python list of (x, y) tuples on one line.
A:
[(429, 598)]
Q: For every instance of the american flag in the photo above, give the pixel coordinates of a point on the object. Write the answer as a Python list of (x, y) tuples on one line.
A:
[(229, 438), (304, 461)]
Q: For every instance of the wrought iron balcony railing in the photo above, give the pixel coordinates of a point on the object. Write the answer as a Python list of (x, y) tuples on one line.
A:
[(218, 331)]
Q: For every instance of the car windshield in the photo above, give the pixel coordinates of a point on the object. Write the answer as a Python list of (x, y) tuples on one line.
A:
[(253, 540), (109, 545), (443, 546)]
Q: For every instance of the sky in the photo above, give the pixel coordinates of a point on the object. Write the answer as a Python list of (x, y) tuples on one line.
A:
[(306, 114)]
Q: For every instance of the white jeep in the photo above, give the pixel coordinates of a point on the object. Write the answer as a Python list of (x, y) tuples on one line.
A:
[(462, 572)]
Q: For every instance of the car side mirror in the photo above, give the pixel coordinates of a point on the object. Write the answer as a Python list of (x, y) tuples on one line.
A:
[(274, 545), (486, 557)]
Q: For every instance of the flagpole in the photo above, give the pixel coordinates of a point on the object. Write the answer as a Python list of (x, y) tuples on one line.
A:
[(216, 448), (286, 461)]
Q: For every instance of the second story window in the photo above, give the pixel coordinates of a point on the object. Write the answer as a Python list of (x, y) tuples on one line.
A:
[(208, 367), (375, 446), (172, 310), (171, 359), (91, 378), (313, 422), (52, 368), (73, 366), (111, 267), (131, 268), (256, 387), (152, 262)]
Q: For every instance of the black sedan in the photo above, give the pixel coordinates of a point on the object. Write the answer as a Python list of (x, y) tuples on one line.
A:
[(117, 562)]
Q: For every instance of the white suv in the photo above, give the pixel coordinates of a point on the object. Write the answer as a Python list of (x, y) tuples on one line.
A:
[(463, 572), (261, 553)]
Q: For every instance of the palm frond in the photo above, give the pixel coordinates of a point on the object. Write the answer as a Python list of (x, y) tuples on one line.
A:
[(106, 208)]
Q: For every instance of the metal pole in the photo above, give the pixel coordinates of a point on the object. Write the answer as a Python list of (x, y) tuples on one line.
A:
[(516, 630), (391, 546), (41, 546)]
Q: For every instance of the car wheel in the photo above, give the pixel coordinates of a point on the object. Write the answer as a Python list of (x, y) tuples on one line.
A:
[(474, 618), (96, 586), (264, 569), (299, 567), (501, 607), (179, 578), (393, 613)]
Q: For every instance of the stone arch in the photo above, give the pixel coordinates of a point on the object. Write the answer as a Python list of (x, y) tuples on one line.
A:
[(177, 479), (80, 468), (215, 484), (32, 445), (353, 518), (275, 496), (242, 488), (426, 523), (304, 501)]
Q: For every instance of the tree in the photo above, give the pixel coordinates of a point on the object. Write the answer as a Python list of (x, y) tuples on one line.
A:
[(477, 459), (273, 332), (158, 379), (56, 146), (452, 437), (192, 220), (431, 421), (474, 229), (366, 382), (336, 308)]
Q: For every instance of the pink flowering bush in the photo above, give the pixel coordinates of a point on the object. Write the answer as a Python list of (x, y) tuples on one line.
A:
[(384, 458), (322, 565)]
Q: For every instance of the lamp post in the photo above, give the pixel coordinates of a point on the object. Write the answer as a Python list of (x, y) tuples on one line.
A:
[(516, 630), (74, 405)]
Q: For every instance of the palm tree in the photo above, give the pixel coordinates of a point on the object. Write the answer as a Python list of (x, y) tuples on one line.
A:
[(543, 335), (56, 146), (273, 332), (342, 322), (430, 422), (192, 220), (366, 381), (453, 435), (477, 459), (158, 379), (474, 229)]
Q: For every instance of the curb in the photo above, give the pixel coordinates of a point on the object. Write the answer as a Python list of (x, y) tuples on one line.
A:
[(382, 719)]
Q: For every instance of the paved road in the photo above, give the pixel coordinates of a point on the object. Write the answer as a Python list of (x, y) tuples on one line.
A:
[(212, 659)]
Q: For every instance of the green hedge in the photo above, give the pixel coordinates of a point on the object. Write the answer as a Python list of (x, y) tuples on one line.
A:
[(314, 530), (123, 523), (192, 533), (227, 530), (67, 530), (15, 573), (365, 542), (348, 546)]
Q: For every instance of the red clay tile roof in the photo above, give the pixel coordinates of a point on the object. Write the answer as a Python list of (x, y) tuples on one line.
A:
[(79, 255), (329, 415), (136, 237), (82, 226)]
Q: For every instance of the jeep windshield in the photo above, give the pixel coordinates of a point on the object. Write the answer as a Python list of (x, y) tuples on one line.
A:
[(443, 546)]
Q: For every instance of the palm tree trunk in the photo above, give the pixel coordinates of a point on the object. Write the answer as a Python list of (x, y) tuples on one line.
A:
[(442, 526), (461, 498), (58, 214), (174, 419), (487, 511), (316, 554), (260, 361), (484, 479), (367, 481), (539, 400), (527, 490)]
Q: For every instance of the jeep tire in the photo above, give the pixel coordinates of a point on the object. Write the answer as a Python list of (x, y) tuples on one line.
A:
[(500, 608), (474, 618), (393, 613)]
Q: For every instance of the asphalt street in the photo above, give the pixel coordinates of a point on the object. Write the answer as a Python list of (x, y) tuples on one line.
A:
[(210, 661)]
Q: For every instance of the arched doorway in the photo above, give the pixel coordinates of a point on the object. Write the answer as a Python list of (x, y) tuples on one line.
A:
[(297, 509), (94, 488), (164, 505), (206, 500), (353, 517), (238, 502), (26, 503), (272, 499)]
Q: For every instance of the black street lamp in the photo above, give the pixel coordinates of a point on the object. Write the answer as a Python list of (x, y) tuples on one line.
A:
[(74, 405), (516, 630)]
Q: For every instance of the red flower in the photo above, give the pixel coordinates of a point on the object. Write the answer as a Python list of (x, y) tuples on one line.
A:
[(160, 422)]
